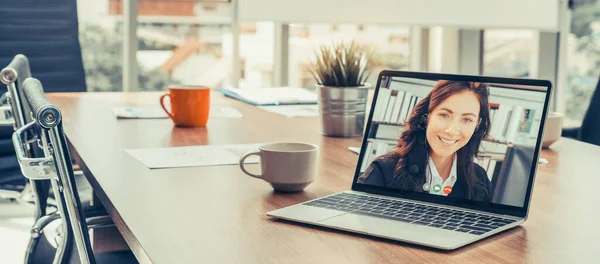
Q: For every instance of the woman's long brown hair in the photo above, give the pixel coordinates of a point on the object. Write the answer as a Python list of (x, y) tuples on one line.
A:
[(413, 150)]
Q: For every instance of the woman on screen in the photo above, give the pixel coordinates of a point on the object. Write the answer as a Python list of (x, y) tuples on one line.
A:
[(435, 151)]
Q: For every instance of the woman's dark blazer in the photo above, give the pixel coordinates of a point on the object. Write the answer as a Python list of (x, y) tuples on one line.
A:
[(381, 173)]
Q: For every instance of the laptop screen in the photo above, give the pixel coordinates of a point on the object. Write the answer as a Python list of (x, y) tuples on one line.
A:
[(460, 138)]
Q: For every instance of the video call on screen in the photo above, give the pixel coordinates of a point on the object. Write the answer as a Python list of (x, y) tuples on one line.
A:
[(506, 155)]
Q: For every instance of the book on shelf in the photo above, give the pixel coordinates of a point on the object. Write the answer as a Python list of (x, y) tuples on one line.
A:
[(388, 131), (397, 107), (410, 108), (376, 148), (493, 109), (405, 107), (394, 106), (415, 102), (389, 108), (500, 123), (513, 123), (506, 122), (488, 164), (383, 98), (491, 168), (367, 156)]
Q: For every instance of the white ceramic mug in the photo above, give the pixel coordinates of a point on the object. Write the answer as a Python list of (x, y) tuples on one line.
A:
[(288, 167), (553, 129)]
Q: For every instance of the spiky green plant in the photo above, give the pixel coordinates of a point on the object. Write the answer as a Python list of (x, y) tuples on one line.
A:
[(341, 65)]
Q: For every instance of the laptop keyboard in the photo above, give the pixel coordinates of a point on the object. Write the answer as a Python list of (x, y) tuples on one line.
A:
[(444, 218)]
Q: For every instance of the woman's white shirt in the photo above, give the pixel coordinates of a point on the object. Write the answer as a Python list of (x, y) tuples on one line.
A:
[(437, 186)]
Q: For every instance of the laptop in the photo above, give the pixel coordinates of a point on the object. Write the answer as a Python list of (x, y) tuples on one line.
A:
[(443, 191)]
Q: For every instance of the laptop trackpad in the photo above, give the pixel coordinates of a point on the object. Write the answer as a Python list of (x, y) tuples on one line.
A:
[(304, 213), (398, 230)]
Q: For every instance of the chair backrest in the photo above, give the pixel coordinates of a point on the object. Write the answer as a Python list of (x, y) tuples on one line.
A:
[(47, 32), (590, 127), (13, 77), (510, 185), (48, 122)]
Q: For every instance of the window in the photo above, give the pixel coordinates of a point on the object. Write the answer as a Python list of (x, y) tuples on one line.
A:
[(390, 45), (178, 42), (583, 66), (101, 46), (257, 49), (181, 42), (190, 42), (507, 53)]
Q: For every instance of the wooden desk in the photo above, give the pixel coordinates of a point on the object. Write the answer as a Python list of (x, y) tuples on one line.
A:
[(217, 214)]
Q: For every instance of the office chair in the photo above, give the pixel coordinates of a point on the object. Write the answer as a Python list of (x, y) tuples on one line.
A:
[(47, 31), (56, 166), (589, 131), (13, 75), (510, 184)]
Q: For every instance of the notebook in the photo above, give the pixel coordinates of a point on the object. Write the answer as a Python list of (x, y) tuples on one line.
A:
[(271, 96)]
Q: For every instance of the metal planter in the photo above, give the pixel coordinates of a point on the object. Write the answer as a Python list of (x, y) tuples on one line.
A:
[(342, 110)]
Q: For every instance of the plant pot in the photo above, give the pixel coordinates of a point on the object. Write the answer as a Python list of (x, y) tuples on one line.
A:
[(342, 110)]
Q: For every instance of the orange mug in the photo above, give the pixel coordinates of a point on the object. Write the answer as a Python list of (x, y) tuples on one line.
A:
[(190, 105)]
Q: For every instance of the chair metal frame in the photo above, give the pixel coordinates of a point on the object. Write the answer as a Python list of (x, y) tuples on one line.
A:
[(55, 166), (18, 69), (9, 76)]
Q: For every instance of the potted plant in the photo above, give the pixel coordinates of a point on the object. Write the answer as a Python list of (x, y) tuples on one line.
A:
[(341, 71)]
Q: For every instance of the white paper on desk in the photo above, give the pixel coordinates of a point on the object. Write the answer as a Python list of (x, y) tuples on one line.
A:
[(193, 156), (136, 112), (293, 110), (224, 111), (354, 149), (149, 112)]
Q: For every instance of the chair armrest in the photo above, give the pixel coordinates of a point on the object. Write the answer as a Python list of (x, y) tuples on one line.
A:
[(571, 132)]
